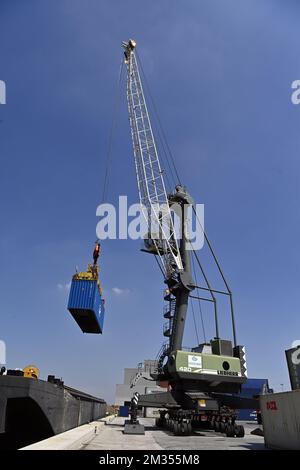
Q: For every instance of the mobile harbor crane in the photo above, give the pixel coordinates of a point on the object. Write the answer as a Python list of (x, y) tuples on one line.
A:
[(200, 382)]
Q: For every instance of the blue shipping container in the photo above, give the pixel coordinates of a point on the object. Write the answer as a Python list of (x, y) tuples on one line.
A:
[(247, 415), (124, 411), (86, 305), (257, 384), (250, 389)]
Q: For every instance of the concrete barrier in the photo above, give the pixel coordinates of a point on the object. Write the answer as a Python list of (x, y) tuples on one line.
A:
[(74, 439), (281, 420)]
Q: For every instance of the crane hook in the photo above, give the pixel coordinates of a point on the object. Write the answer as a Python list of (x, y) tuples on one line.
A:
[(96, 253)]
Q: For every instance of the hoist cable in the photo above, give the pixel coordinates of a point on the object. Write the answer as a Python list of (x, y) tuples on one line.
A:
[(160, 267), (195, 324), (159, 139), (159, 121), (199, 301), (111, 134)]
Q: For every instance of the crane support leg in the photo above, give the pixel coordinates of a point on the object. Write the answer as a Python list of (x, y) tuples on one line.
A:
[(132, 425)]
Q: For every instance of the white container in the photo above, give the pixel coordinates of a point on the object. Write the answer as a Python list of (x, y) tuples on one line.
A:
[(151, 412), (281, 420)]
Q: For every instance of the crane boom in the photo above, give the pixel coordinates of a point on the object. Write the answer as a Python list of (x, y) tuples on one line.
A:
[(151, 185)]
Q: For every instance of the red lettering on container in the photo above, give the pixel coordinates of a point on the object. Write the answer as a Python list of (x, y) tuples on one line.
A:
[(271, 405)]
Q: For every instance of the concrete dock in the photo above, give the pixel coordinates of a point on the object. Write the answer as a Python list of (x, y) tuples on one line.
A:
[(111, 437), (107, 434)]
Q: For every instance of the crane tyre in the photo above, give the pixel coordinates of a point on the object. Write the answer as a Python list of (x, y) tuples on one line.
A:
[(239, 431), (230, 431), (176, 428)]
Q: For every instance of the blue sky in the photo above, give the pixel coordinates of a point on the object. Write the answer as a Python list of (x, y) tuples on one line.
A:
[(221, 75)]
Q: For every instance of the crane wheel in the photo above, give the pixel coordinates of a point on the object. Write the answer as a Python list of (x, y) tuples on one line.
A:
[(239, 431), (230, 431), (180, 428), (222, 427), (184, 428), (176, 428), (158, 422)]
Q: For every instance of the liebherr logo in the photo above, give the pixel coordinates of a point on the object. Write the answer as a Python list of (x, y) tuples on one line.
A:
[(2, 92), (231, 373)]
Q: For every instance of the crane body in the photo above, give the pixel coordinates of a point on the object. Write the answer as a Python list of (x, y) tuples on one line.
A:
[(198, 380)]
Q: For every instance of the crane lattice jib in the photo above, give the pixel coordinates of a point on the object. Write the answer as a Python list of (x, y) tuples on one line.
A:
[(151, 186)]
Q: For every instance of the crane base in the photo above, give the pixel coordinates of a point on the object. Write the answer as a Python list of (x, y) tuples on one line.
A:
[(131, 428)]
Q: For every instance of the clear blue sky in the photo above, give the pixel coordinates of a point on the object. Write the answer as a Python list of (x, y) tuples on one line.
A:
[(221, 74)]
